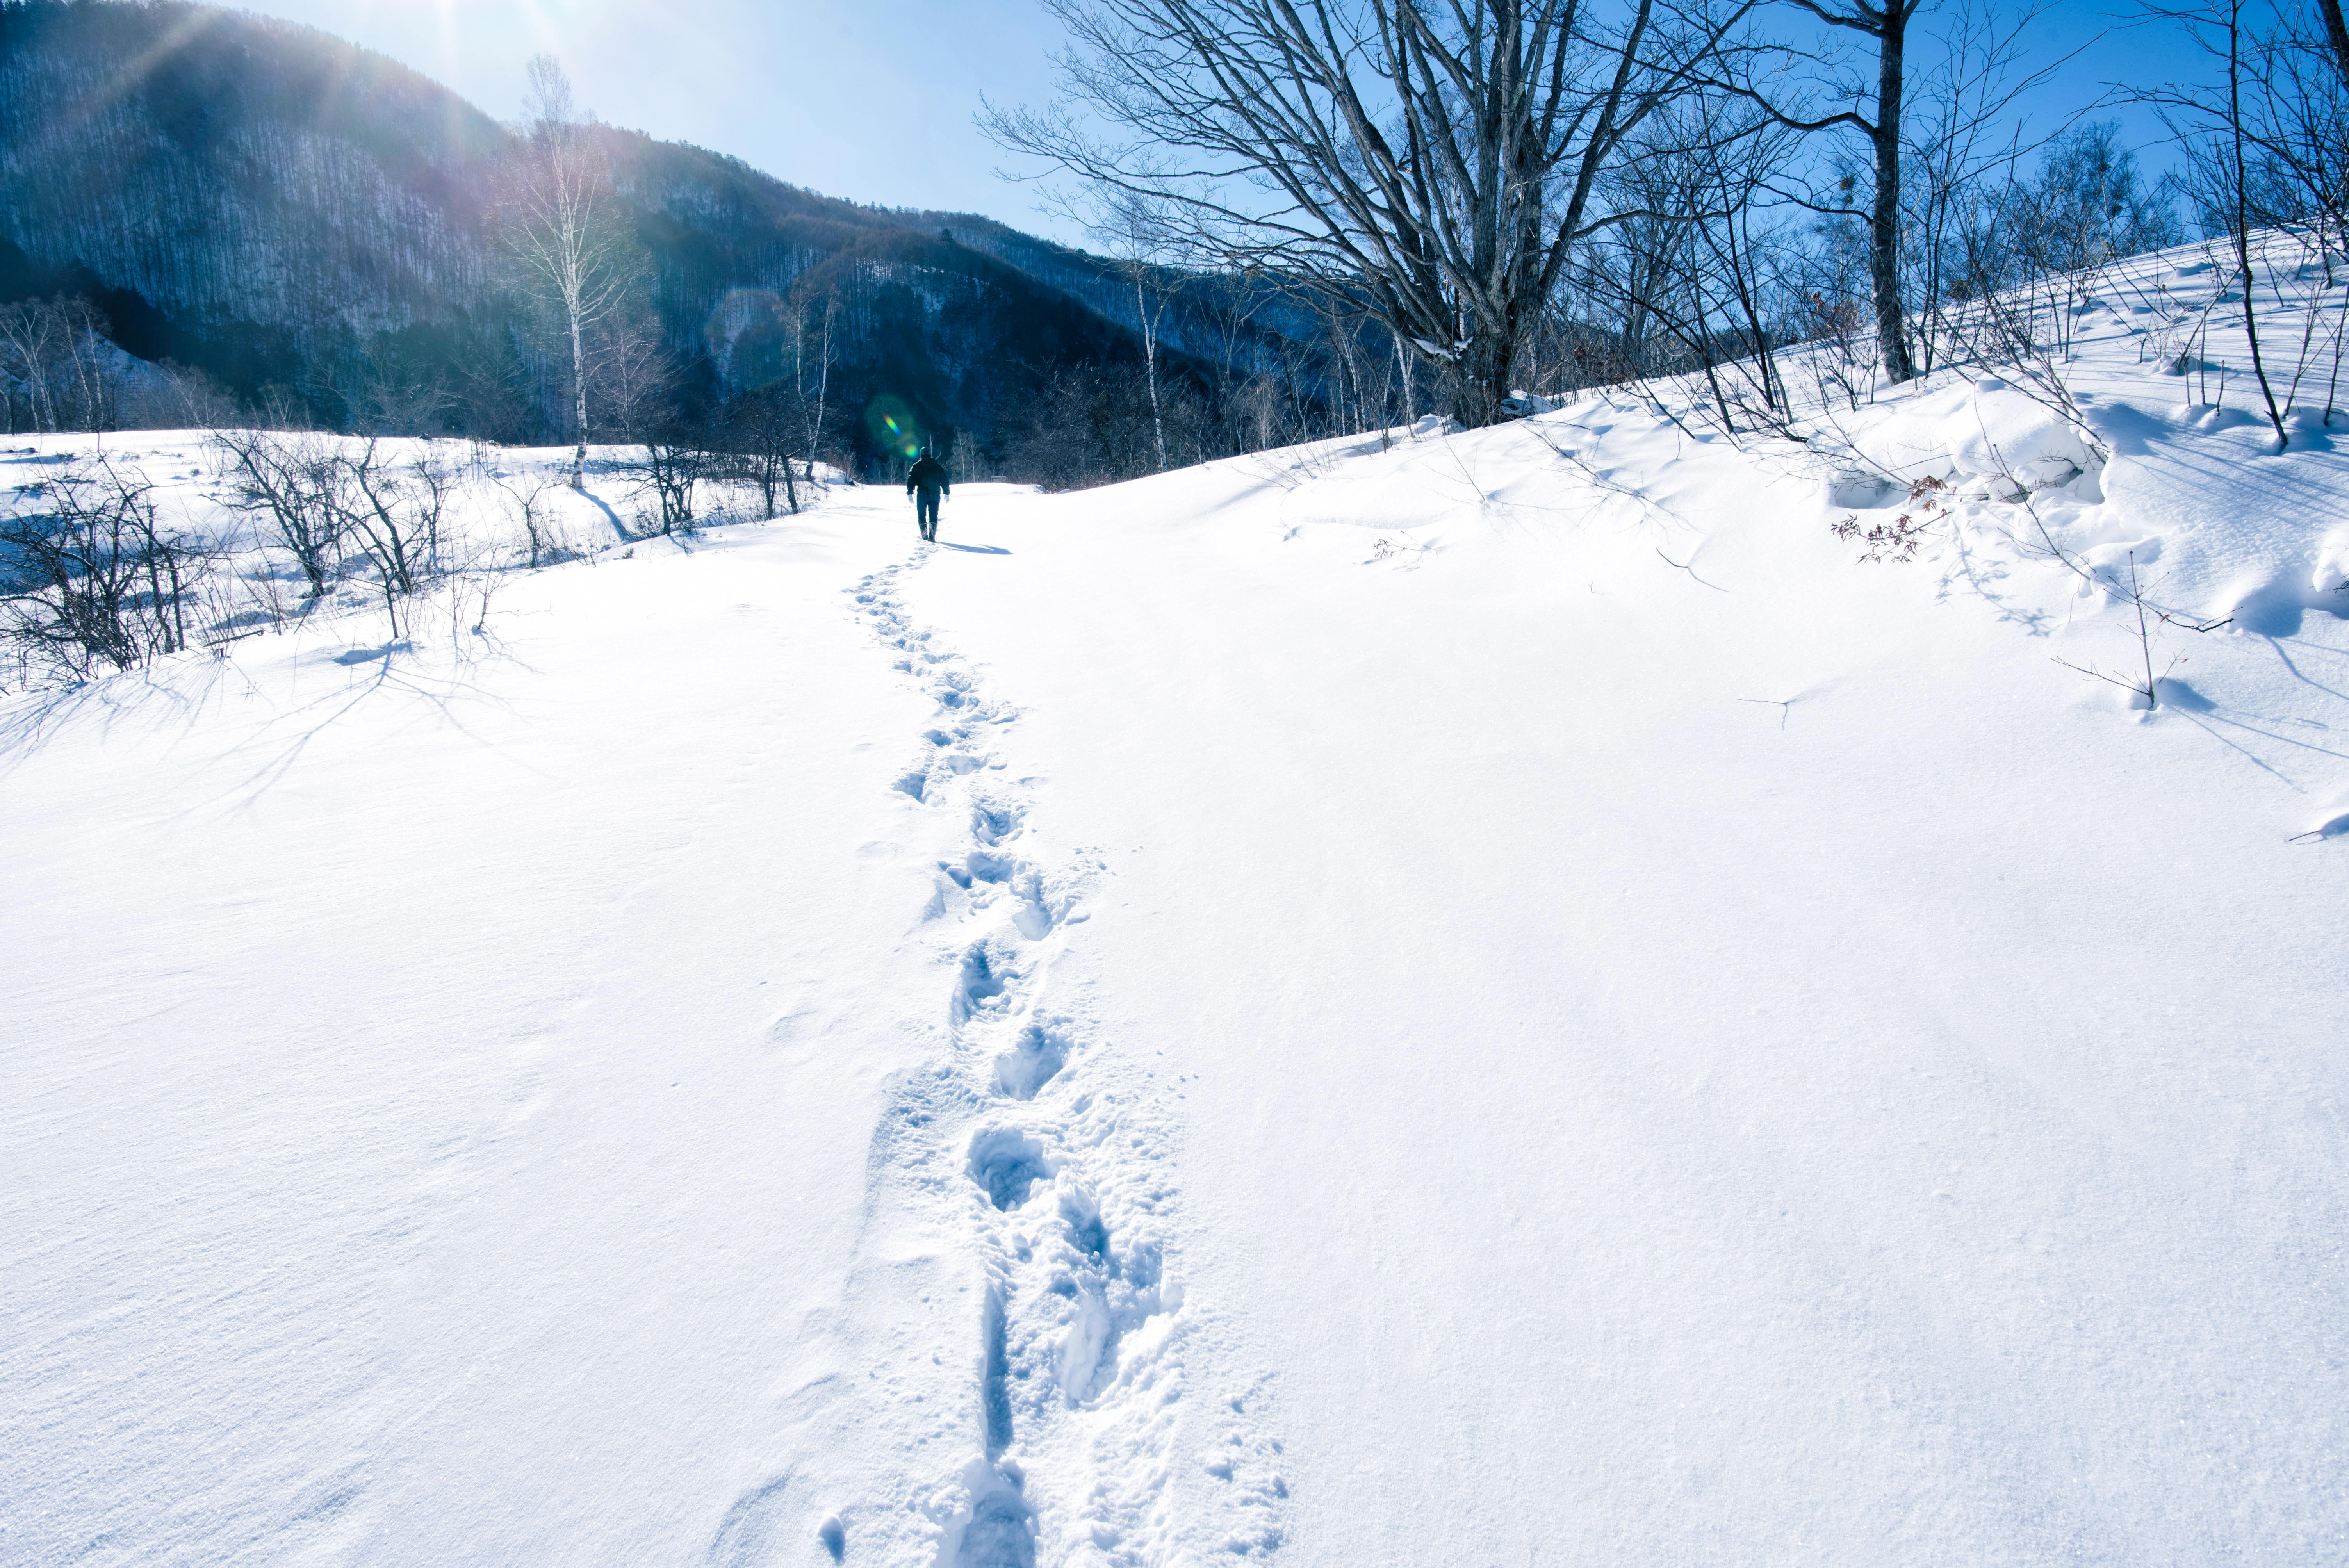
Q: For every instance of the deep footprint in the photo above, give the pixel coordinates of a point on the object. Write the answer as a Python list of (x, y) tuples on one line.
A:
[(999, 1535), (1035, 1060), (977, 986), (1007, 1164)]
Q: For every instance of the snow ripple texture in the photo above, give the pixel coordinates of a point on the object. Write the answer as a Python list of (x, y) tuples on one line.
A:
[(1058, 1157)]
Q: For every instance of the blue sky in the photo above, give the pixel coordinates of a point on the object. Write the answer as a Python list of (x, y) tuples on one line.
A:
[(872, 100)]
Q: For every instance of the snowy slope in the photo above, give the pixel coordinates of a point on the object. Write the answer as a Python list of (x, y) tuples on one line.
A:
[(1451, 1003), (368, 1016)]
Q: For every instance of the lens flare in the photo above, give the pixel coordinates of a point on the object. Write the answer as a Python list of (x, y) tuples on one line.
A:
[(893, 426)]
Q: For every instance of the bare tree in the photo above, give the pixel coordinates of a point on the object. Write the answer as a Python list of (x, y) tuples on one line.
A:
[(2271, 152), (2242, 226), (565, 231), (1090, 427), (1971, 85), (397, 395), (190, 399), (493, 377), (433, 480), (29, 333), (635, 374), (1702, 277), (1135, 230), (816, 310), (1437, 162), (527, 491), (963, 458), (675, 460), (1963, 139), (57, 350)]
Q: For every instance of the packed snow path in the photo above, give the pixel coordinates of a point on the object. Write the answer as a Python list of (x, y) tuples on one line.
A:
[(1459, 1004), (1030, 1133)]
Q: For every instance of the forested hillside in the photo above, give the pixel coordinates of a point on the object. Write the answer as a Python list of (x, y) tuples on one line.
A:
[(316, 229)]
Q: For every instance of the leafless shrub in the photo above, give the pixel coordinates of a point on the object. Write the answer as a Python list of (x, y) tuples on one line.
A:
[(290, 482), (670, 469), (393, 511), (1898, 540), (769, 429), (2149, 686), (96, 580), (526, 495)]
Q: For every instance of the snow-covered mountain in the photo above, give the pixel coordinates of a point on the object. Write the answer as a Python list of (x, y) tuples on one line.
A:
[(278, 207), (1436, 998)]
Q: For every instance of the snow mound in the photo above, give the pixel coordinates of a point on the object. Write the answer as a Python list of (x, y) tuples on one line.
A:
[(1982, 439), (1362, 501), (2004, 434), (2332, 575)]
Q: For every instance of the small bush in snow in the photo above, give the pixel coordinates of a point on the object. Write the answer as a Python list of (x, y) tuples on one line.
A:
[(1898, 539), (95, 580)]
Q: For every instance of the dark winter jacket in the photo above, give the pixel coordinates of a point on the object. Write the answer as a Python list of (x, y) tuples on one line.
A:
[(930, 474)]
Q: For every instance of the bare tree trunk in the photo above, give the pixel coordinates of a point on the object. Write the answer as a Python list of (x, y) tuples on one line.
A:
[(2336, 33), (579, 411), (1886, 22), (2242, 213), (1884, 219), (823, 386), (1485, 366), (1150, 364)]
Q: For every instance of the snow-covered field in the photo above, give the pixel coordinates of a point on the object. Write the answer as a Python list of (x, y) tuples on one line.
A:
[(1499, 1000)]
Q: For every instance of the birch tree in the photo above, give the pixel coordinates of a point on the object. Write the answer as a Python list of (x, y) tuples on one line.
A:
[(565, 233), (807, 297), (1135, 233)]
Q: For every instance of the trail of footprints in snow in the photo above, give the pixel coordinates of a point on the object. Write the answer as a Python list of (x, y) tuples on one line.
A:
[(1060, 1157)]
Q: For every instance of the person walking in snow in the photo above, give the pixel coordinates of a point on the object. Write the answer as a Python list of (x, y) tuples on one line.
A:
[(927, 483)]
